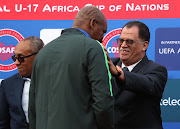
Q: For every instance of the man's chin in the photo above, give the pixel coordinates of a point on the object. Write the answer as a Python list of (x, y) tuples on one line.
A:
[(124, 58), (22, 74)]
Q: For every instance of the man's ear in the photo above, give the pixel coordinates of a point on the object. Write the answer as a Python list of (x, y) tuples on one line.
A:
[(93, 22), (145, 46)]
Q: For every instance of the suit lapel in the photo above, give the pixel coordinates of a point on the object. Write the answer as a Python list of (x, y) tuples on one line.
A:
[(140, 64), (116, 89), (19, 84)]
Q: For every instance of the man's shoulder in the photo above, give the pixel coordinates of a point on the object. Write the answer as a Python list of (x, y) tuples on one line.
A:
[(150, 65), (71, 32), (11, 78), (154, 64)]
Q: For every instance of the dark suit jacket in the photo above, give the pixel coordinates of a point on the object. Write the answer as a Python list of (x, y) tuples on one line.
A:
[(11, 112), (137, 103)]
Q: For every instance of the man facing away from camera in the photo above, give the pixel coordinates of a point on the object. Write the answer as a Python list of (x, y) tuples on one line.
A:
[(71, 82)]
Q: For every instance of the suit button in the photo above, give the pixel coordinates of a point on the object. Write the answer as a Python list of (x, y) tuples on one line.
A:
[(117, 107)]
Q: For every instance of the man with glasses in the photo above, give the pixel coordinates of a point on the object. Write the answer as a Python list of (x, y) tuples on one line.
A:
[(14, 91), (138, 83)]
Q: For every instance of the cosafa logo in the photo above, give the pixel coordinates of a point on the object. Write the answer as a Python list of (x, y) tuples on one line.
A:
[(8, 40), (110, 42)]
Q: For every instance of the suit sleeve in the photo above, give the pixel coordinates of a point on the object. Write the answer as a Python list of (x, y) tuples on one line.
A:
[(152, 82), (4, 109), (100, 80)]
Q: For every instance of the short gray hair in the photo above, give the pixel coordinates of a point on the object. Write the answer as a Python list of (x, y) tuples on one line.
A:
[(35, 42)]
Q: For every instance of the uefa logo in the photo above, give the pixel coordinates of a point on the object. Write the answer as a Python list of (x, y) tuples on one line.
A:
[(110, 42), (8, 40)]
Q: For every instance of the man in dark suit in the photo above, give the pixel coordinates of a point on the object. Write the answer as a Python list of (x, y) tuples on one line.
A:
[(70, 86), (14, 90), (138, 88)]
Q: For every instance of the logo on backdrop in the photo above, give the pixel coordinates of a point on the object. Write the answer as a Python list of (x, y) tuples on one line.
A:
[(168, 47), (8, 40), (110, 42), (170, 102)]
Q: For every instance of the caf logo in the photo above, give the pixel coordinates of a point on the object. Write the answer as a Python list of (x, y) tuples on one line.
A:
[(8, 40), (110, 42)]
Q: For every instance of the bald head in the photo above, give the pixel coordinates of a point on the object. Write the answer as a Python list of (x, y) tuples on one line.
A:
[(92, 20), (87, 13)]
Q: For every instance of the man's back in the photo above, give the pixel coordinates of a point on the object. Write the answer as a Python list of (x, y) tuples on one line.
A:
[(72, 89)]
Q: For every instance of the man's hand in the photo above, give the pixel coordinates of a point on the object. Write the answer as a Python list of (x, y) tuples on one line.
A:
[(114, 69)]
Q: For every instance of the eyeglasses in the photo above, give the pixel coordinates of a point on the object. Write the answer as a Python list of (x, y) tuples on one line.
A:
[(21, 59), (129, 42)]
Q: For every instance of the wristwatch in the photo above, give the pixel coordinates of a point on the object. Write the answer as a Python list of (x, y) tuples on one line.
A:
[(118, 74)]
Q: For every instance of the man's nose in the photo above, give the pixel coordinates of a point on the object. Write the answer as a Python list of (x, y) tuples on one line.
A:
[(17, 62), (124, 44)]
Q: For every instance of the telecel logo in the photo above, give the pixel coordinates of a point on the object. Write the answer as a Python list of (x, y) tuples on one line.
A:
[(170, 102)]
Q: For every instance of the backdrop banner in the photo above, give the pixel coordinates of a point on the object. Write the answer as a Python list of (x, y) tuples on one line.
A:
[(46, 19)]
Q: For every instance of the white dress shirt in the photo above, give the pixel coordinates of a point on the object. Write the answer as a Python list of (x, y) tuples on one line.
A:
[(130, 67), (25, 97)]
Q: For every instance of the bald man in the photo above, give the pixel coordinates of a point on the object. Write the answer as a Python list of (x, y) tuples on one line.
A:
[(71, 84)]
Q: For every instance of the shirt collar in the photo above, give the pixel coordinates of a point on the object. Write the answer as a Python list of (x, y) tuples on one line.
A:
[(130, 67), (26, 79), (85, 33)]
